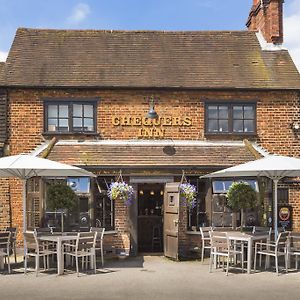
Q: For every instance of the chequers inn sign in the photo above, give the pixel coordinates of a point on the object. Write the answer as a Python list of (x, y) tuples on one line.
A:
[(148, 128)]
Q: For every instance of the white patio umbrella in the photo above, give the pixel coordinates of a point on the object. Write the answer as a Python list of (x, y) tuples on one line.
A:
[(27, 166), (274, 167)]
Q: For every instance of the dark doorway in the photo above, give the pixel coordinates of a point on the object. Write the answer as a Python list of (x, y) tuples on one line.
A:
[(150, 217)]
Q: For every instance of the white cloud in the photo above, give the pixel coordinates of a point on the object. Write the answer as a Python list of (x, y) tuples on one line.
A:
[(79, 13), (3, 55), (291, 31)]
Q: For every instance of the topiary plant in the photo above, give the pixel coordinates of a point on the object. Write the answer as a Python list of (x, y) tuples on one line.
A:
[(60, 196), (240, 197)]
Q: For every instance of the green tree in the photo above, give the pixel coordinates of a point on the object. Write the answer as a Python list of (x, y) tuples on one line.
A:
[(240, 197)]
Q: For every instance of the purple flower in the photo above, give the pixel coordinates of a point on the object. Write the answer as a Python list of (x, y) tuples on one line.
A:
[(188, 194), (121, 190)]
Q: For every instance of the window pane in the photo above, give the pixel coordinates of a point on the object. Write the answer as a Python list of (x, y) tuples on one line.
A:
[(218, 186), (212, 112), (63, 111), (238, 126), (77, 110), (248, 112), (52, 124), (63, 125), (223, 112), (238, 112), (88, 124), (221, 186), (52, 111), (227, 184), (223, 126), (89, 111), (77, 122), (79, 184), (213, 126), (249, 126)]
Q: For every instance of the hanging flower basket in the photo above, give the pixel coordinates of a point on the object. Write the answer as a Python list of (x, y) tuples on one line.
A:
[(188, 194), (122, 191)]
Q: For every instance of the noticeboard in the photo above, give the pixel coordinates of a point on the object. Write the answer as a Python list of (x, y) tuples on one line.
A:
[(285, 216)]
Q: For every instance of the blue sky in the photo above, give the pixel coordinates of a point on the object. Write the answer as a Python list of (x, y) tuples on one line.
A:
[(137, 14)]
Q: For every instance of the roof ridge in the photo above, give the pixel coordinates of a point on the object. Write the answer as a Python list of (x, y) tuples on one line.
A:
[(22, 29)]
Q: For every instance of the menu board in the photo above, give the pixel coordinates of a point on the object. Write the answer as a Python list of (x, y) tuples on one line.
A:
[(285, 216)]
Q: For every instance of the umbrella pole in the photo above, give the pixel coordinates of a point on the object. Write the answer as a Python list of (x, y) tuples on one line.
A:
[(24, 206), (275, 209)]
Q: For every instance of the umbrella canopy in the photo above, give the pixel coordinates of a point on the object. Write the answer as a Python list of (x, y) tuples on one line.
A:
[(274, 167), (26, 166)]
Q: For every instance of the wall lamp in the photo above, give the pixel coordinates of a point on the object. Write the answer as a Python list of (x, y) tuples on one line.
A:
[(295, 126), (152, 114)]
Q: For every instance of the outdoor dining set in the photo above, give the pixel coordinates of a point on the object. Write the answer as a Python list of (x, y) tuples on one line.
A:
[(230, 245), (66, 247)]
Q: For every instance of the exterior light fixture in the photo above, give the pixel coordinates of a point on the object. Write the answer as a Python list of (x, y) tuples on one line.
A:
[(296, 126), (161, 193), (152, 114), (141, 192), (151, 193)]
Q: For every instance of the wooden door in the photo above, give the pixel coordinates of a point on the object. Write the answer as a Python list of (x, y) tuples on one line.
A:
[(171, 219)]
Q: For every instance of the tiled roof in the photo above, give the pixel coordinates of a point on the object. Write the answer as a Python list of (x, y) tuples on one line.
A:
[(2, 64), (190, 59), (150, 156)]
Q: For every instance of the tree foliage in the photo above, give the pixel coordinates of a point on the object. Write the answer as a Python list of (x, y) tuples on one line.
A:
[(241, 196), (61, 196)]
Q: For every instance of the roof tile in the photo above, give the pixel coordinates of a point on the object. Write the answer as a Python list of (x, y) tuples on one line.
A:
[(122, 156), (179, 59)]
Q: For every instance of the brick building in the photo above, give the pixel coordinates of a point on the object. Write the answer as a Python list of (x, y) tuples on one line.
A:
[(82, 96)]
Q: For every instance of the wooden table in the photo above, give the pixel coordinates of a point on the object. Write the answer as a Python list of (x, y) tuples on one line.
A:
[(59, 240), (249, 238)]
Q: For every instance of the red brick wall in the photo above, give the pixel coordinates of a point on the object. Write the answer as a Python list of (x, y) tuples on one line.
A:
[(268, 19), (275, 113), (5, 204)]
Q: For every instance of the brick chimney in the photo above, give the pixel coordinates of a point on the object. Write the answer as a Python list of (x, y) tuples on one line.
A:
[(267, 16)]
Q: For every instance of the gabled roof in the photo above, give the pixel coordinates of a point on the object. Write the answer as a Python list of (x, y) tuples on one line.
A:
[(147, 59), (128, 154)]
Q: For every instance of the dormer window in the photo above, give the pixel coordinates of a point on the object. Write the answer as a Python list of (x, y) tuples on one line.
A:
[(70, 116)]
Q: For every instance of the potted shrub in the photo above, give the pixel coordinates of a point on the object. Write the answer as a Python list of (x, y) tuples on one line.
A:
[(241, 196)]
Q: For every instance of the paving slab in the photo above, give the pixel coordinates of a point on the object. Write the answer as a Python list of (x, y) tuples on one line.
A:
[(153, 278)]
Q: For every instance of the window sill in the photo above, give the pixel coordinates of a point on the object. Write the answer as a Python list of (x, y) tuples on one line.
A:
[(110, 232), (218, 134), (193, 232), (70, 133)]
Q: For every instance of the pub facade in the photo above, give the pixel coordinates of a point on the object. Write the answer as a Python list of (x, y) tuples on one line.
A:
[(82, 97)]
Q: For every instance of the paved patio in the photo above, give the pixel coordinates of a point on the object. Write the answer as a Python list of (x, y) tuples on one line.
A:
[(150, 277)]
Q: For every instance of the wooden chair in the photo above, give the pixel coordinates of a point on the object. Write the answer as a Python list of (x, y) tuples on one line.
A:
[(13, 238), (83, 248), (5, 246), (205, 240), (293, 248), (273, 249), (99, 241), (221, 247), (36, 249)]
